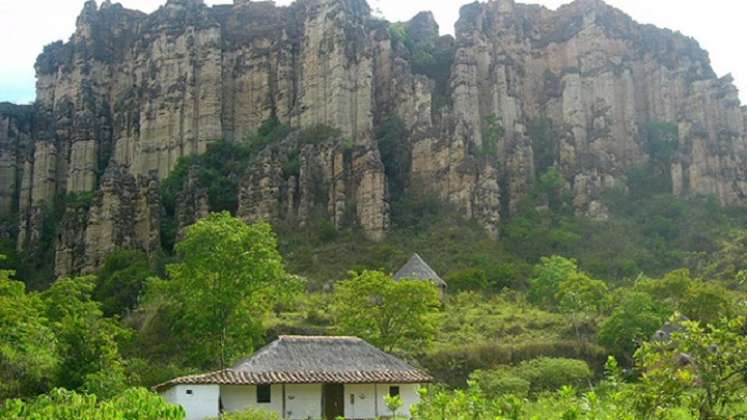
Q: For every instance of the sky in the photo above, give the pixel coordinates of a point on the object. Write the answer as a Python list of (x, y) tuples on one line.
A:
[(27, 25)]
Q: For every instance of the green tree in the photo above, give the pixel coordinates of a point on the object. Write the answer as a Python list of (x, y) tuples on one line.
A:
[(28, 347), (580, 296), (698, 300), (703, 368), (729, 263), (87, 341), (121, 280), (547, 276), (230, 274), (633, 322), (388, 313)]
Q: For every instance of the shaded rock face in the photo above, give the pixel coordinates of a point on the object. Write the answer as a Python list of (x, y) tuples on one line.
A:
[(294, 182), (575, 89)]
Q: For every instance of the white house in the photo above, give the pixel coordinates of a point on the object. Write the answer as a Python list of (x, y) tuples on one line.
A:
[(303, 378)]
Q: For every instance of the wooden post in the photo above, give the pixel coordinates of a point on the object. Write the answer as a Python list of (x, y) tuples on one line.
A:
[(284, 410), (376, 400)]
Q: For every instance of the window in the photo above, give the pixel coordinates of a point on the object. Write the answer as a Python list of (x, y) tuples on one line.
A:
[(263, 394), (189, 392), (393, 391)]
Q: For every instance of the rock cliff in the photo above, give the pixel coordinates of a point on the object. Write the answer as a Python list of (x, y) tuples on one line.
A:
[(519, 90)]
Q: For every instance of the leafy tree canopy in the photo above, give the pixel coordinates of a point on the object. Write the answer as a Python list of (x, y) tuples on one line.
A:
[(389, 314), (229, 275)]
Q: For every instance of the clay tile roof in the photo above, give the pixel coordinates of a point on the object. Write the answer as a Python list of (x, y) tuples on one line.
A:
[(417, 269), (304, 360)]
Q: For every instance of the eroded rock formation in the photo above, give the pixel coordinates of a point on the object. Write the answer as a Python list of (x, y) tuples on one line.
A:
[(518, 90)]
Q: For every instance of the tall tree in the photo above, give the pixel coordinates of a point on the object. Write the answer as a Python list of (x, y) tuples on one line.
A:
[(580, 296), (229, 275), (547, 276), (389, 314), (28, 356), (87, 341)]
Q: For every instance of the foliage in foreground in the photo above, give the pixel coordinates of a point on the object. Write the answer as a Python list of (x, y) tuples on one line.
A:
[(59, 404), (57, 338), (699, 374)]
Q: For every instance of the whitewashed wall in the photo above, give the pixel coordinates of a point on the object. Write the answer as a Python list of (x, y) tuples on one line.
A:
[(301, 401), (201, 404), (242, 397), (368, 402)]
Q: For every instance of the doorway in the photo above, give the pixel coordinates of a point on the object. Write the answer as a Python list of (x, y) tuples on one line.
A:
[(333, 401)]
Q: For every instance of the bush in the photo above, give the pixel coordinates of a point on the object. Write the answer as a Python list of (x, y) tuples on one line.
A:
[(473, 279), (549, 374), (537, 375), (452, 365), (270, 131), (500, 382), (134, 404), (120, 281)]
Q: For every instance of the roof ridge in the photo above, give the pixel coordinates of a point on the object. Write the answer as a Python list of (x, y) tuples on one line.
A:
[(319, 337)]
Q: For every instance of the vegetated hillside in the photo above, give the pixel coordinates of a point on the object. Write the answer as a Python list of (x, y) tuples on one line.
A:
[(576, 178)]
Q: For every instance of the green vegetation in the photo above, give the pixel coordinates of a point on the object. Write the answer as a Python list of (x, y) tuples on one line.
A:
[(134, 404), (432, 59), (121, 281), (535, 376), (391, 137), (230, 273), (393, 315), (251, 414), (57, 338), (492, 134)]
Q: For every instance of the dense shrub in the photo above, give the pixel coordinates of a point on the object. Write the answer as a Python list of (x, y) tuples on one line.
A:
[(134, 404), (500, 382), (453, 365), (473, 279), (547, 374), (121, 280)]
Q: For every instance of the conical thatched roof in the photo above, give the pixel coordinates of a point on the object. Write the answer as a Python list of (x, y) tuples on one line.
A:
[(418, 269), (304, 360)]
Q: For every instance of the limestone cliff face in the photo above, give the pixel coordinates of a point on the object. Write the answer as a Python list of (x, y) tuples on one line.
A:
[(600, 78), (518, 90)]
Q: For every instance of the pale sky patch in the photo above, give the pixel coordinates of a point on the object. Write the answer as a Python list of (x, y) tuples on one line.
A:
[(27, 25)]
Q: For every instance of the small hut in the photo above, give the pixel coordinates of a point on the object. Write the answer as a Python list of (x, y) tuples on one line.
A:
[(417, 269)]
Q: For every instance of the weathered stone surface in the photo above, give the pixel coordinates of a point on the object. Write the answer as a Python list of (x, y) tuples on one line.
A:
[(600, 77), (131, 93), (294, 182)]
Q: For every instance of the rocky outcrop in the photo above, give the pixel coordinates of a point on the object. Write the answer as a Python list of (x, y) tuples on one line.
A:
[(295, 182), (520, 89), (600, 78), (123, 213)]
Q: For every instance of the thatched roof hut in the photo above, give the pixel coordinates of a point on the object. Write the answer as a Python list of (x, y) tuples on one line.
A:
[(417, 269)]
